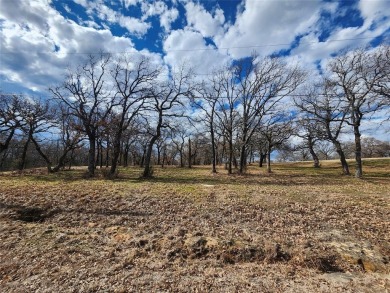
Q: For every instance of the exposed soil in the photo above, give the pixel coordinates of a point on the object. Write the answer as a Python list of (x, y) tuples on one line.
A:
[(277, 233)]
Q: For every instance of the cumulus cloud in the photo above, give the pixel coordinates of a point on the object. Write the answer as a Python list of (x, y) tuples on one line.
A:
[(375, 11), (159, 8), (269, 22), (36, 53), (375, 16), (203, 21), (104, 13), (128, 3), (168, 17), (38, 42), (179, 47)]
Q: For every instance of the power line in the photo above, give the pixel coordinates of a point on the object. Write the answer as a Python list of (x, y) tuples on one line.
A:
[(201, 97), (197, 49)]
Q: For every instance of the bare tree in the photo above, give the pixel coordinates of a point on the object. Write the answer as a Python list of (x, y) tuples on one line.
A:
[(227, 113), (324, 107), (87, 94), (311, 132), (179, 136), (129, 138), (9, 119), (275, 130), (38, 117), (133, 80), (166, 102), (70, 136), (382, 63), (325, 149), (262, 84), (40, 120), (373, 147), (211, 92), (354, 77)]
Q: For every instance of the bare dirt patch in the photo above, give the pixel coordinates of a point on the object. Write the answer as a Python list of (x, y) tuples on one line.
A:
[(292, 231)]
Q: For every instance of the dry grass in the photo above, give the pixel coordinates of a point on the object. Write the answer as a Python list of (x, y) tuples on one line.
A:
[(298, 229)]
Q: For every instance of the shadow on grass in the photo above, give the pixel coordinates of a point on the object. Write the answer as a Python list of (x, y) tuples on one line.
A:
[(284, 175), (40, 214), (248, 179)]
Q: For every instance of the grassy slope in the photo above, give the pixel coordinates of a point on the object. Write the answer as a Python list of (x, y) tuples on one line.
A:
[(298, 228)]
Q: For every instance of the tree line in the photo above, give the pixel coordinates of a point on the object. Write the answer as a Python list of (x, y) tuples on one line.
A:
[(130, 110)]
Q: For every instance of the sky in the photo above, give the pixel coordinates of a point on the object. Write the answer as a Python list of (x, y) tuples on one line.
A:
[(40, 39)]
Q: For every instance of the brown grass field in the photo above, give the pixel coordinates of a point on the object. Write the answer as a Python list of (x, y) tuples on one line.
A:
[(298, 229)]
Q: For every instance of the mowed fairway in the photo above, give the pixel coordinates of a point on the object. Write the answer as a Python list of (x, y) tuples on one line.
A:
[(298, 229)]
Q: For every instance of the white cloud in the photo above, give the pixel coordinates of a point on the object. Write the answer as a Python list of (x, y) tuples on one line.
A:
[(153, 8), (202, 20), (128, 3), (31, 30), (375, 10), (97, 8), (168, 17), (133, 25), (28, 47), (31, 16), (179, 46), (159, 8), (269, 22), (340, 39)]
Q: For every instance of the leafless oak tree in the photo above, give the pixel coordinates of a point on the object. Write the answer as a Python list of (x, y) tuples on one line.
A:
[(354, 77), (89, 97), (10, 119), (133, 80), (166, 101), (323, 106), (263, 83)]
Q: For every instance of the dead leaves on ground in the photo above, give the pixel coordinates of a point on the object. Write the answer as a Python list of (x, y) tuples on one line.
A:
[(101, 235)]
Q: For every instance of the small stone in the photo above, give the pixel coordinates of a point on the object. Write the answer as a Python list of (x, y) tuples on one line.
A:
[(61, 237)]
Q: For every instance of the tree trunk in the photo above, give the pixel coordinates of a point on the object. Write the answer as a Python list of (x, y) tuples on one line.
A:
[(3, 158), (341, 154), (235, 164), (5, 145), (61, 162), (214, 154), (269, 159), (148, 168), (142, 162), (91, 155), (230, 167), (242, 169), (99, 149), (115, 155), (158, 155), (164, 156), (262, 158), (22, 163), (70, 160), (222, 156), (108, 152), (126, 156), (358, 152), (47, 160), (250, 155), (181, 158), (189, 153), (313, 154)]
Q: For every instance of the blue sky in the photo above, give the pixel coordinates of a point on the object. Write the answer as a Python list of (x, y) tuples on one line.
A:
[(40, 39)]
